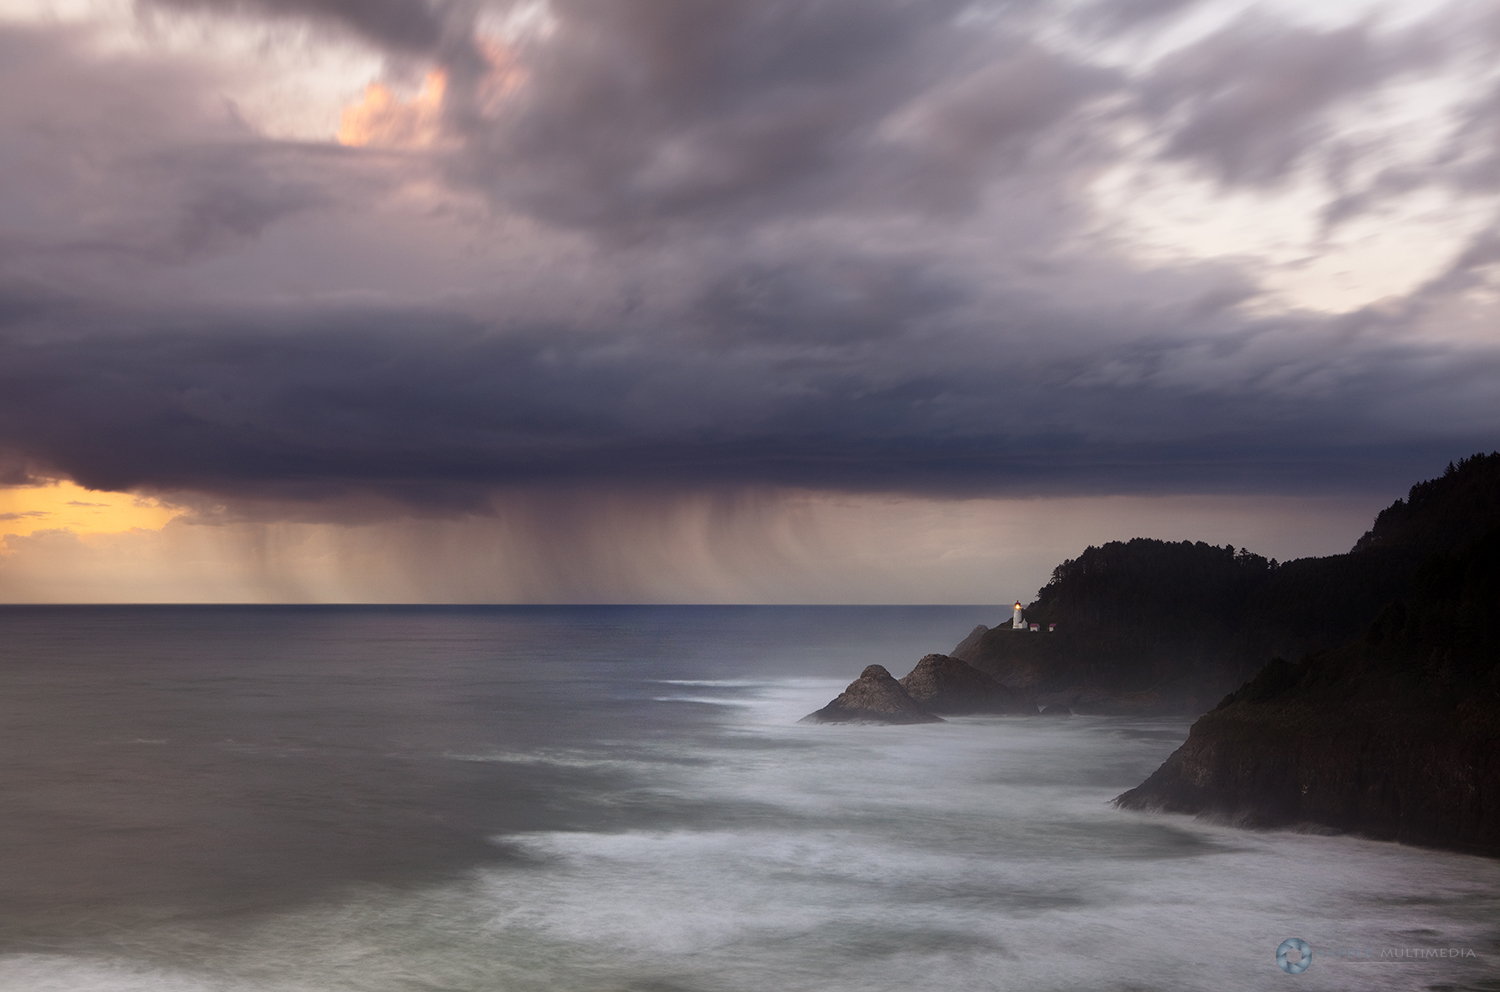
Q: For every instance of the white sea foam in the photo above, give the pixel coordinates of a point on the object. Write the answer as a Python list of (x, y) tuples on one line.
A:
[(547, 757), (58, 973), (701, 700), (977, 854)]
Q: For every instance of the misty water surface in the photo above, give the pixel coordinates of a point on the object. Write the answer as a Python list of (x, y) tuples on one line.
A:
[(228, 799)]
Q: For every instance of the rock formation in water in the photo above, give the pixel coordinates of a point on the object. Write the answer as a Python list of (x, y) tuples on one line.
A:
[(946, 685), (1396, 734), (874, 697)]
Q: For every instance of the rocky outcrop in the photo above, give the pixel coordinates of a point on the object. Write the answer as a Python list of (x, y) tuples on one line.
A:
[(970, 644), (874, 697), (1395, 735), (1390, 778), (946, 685)]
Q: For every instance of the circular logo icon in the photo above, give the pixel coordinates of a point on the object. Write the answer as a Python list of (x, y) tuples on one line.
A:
[(1294, 955)]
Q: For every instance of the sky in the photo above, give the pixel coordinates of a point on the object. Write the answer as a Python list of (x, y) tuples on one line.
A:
[(865, 301)]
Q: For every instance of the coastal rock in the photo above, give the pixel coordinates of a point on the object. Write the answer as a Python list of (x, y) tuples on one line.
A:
[(1382, 775), (874, 697), (970, 644), (1395, 735), (947, 685)]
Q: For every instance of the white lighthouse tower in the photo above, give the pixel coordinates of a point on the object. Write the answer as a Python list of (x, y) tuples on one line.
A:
[(1016, 622)]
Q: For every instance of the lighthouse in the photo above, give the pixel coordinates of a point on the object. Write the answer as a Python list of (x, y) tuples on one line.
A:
[(1016, 623)]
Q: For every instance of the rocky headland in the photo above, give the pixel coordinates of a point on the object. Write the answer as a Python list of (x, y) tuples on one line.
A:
[(1148, 627), (1387, 724), (1394, 735)]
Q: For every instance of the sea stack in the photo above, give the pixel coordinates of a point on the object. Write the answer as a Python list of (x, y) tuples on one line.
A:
[(874, 697), (948, 685)]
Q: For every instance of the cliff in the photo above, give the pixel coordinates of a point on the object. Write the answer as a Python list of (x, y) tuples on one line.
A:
[(1148, 626), (1395, 734)]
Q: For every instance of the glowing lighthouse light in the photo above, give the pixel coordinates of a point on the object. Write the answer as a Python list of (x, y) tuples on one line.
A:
[(1016, 622)]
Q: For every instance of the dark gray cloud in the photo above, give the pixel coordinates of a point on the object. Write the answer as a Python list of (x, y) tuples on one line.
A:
[(646, 112), (1472, 157), (1250, 101), (435, 411), (407, 25), (115, 161), (837, 244), (1106, 16)]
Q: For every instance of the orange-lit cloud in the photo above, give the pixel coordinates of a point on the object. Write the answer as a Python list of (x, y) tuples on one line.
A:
[(67, 506), (384, 120), (505, 77), (381, 119)]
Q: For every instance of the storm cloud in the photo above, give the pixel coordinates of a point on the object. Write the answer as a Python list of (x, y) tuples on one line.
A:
[(845, 246), (435, 411), (404, 25)]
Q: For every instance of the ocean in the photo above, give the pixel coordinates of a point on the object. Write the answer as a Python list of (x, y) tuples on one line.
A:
[(237, 799)]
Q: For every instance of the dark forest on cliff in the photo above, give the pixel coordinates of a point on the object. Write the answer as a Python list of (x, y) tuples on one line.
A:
[(1394, 734), (1147, 624)]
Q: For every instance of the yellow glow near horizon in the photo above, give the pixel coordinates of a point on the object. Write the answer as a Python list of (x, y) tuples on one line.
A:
[(68, 506)]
